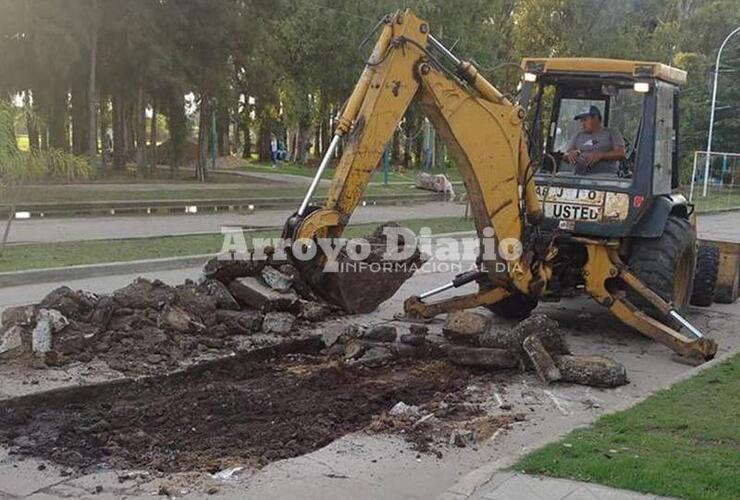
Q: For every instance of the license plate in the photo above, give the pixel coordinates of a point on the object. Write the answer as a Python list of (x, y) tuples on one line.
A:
[(572, 211), (583, 205)]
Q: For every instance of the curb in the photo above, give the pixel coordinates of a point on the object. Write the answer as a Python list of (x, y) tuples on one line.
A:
[(53, 274), (716, 211), (468, 484)]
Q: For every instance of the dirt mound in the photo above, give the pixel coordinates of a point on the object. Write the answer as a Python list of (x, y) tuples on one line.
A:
[(249, 410)]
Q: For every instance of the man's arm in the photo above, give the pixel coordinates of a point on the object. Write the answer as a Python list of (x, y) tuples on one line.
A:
[(616, 154), (571, 152)]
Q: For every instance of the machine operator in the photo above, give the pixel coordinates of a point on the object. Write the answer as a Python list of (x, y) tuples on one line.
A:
[(595, 149)]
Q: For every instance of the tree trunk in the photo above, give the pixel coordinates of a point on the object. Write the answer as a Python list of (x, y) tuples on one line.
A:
[(247, 149), (267, 127), (178, 129), (325, 132), (418, 149), (31, 125), (57, 120), (292, 141), (119, 132), (92, 146), (103, 125), (439, 152), (396, 147), (203, 134), (130, 123), (263, 144), (80, 118), (408, 146), (141, 132), (317, 140), (41, 108), (153, 140), (222, 130), (302, 143)]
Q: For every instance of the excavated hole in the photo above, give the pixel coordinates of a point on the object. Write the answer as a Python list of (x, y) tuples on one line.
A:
[(251, 409)]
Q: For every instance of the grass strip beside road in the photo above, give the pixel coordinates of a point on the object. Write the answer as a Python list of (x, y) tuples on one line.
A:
[(394, 175), (683, 442), (717, 200), (75, 253)]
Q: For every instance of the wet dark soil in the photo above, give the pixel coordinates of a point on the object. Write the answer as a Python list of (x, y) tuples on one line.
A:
[(251, 409)]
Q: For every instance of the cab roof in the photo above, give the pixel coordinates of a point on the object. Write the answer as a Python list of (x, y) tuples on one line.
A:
[(605, 67)]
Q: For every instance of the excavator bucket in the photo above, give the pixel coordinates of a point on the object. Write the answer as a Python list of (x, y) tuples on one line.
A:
[(727, 289), (360, 286)]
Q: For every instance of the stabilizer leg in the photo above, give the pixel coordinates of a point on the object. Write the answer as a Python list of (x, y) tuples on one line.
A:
[(604, 265)]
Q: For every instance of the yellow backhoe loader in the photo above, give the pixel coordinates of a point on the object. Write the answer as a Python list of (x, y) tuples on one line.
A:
[(626, 239)]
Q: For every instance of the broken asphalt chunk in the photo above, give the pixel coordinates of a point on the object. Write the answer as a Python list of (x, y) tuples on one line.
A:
[(221, 294), (243, 322), (541, 359), (413, 339), (251, 292), (226, 271), (381, 333), (278, 323), (597, 371), (277, 280), (482, 357), (464, 327)]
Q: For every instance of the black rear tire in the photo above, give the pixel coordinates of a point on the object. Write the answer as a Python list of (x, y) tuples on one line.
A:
[(517, 306), (666, 265), (705, 277)]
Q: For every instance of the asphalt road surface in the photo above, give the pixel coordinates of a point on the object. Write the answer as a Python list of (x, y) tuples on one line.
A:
[(57, 230), (723, 226)]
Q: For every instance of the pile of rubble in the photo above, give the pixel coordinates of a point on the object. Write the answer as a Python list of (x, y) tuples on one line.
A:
[(471, 340), (149, 326), (534, 344)]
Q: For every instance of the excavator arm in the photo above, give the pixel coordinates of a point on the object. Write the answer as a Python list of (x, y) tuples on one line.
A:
[(481, 128)]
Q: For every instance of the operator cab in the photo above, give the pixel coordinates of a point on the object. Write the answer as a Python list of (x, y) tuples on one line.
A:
[(638, 101)]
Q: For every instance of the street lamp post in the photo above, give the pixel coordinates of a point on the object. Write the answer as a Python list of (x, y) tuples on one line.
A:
[(711, 113)]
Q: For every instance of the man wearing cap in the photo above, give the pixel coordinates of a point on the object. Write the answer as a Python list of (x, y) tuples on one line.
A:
[(595, 149)]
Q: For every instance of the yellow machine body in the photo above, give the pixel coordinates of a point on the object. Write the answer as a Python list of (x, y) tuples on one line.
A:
[(484, 134)]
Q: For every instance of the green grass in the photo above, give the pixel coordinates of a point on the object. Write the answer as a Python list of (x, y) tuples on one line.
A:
[(683, 442), (717, 199), (395, 175), (45, 255)]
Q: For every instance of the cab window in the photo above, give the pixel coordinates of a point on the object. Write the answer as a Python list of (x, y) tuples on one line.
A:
[(551, 131), (566, 127), (665, 140)]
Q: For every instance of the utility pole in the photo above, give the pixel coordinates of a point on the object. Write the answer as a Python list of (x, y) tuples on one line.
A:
[(711, 113)]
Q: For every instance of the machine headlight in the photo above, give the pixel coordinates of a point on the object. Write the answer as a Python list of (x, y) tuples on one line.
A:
[(641, 87)]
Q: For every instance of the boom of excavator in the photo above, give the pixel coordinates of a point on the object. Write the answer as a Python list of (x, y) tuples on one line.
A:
[(484, 134)]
